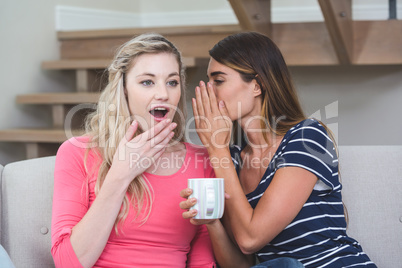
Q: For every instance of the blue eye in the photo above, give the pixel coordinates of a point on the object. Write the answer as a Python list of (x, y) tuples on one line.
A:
[(147, 83), (173, 83)]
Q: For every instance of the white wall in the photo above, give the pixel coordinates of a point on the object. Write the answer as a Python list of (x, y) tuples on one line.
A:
[(27, 38), (369, 97), (108, 5), (362, 105), (369, 101), (84, 15)]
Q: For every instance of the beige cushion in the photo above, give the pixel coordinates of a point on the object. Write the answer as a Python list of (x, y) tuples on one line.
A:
[(1, 174), (372, 181), (371, 176), (26, 194)]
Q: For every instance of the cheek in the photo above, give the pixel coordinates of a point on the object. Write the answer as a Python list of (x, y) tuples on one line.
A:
[(175, 97)]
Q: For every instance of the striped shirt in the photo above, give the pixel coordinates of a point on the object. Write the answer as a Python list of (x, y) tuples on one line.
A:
[(317, 236)]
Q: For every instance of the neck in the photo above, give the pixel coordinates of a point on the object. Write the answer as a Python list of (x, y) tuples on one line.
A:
[(256, 140)]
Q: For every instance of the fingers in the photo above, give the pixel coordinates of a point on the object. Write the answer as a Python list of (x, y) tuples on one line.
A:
[(198, 98), (131, 130), (205, 99), (189, 214), (162, 138), (212, 98), (195, 112), (156, 137), (185, 193), (155, 130), (157, 149), (223, 109), (188, 203)]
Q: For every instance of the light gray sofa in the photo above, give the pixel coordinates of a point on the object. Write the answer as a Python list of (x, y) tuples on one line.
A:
[(371, 176)]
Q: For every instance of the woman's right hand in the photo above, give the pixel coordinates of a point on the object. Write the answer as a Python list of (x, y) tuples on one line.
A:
[(211, 119), (135, 155), (191, 213)]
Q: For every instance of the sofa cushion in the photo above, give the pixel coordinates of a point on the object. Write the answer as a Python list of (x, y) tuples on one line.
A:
[(26, 196), (372, 181), (1, 174)]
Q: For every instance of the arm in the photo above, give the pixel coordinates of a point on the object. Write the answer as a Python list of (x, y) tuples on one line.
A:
[(226, 252), (281, 202), (89, 229), (283, 199)]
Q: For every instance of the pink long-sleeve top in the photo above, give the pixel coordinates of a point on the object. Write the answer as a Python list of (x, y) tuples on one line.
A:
[(165, 240)]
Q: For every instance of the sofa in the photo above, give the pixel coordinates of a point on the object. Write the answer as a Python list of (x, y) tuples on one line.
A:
[(371, 177)]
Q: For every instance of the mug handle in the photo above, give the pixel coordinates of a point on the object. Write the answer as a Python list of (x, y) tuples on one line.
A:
[(210, 194)]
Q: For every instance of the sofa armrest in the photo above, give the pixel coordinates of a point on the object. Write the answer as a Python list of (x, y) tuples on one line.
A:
[(26, 203), (372, 191)]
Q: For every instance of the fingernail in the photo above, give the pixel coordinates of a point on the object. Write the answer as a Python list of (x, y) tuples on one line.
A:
[(193, 200), (202, 83), (189, 191), (167, 121), (173, 126), (193, 212), (221, 104), (134, 122)]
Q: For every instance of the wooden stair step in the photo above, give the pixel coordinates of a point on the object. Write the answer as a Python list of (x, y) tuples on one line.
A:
[(74, 64), (37, 135), (192, 41), (96, 64), (130, 32), (58, 98)]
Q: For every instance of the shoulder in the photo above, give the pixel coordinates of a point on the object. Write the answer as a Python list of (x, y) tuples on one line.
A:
[(309, 144), (76, 144), (76, 149), (308, 129)]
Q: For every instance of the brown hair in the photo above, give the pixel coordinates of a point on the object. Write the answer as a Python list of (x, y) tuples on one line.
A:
[(255, 56)]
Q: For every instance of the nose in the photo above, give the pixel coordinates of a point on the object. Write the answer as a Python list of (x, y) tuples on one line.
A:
[(161, 93)]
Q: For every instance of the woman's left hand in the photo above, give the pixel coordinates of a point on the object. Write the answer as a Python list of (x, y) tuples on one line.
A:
[(212, 120), (191, 213)]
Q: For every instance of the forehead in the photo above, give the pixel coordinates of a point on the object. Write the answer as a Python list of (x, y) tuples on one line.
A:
[(158, 63), (216, 67)]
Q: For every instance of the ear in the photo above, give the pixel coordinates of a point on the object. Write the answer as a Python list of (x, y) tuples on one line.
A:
[(256, 89)]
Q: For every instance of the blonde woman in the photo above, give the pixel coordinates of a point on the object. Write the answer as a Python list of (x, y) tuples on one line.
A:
[(115, 192)]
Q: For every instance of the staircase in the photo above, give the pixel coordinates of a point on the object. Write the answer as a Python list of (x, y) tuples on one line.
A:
[(88, 53), (337, 41)]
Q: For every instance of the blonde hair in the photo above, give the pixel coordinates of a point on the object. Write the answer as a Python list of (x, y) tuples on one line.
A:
[(107, 125)]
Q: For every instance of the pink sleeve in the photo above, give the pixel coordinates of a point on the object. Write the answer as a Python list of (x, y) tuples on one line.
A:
[(201, 253), (70, 202)]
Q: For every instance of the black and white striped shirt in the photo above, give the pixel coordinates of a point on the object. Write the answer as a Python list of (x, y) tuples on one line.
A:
[(317, 236)]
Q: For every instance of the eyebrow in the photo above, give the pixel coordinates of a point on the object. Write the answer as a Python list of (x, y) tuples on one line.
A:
[(153, 75), (217, 73)]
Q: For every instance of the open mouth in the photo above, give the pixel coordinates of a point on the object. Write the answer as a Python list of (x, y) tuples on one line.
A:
[(159, 113)]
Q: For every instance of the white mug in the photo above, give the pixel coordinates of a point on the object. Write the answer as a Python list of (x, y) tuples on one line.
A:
[(210, 195)]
